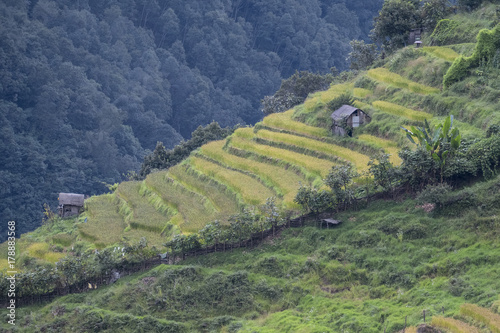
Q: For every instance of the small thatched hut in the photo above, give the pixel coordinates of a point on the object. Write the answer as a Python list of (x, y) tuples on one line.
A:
[(347, 118), (70, 204)]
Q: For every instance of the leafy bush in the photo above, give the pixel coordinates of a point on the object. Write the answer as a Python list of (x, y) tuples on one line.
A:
[(488, 43), (294, 91), (435, 194)]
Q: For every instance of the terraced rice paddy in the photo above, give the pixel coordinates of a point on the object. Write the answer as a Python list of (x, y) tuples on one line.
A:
[(104, 224), (485, 316), (441, 52), (195, 209), (251, 190), (361, 92), (401, 111), (453, 325), (322, 98), (142, 215), (390, 147), (284, 121), (396, 80), (218, 194), (284, 182), (359, 160), (315, 166)]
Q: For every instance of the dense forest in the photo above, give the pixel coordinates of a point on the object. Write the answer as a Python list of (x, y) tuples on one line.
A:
[(89, 87)]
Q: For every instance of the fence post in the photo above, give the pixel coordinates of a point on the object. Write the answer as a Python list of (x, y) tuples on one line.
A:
[(424, 316), (404, 329), (442, 309)]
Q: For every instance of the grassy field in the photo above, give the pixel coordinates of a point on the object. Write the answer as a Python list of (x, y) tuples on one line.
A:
[(359, 160), (195, 209), (396, 80), (284, 182), (251, 190), (401, 111)]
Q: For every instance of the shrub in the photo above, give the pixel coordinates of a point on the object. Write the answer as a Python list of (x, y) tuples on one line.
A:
[(488, 42), (435, 194)]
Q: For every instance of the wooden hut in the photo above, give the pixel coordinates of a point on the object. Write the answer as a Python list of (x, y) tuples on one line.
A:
[(415, 37), (70, 204), (346, 118)]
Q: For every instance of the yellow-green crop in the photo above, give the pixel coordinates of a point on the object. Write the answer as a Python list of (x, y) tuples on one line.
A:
[(401, 111), (386, 76), (347, 154), (252, 191)]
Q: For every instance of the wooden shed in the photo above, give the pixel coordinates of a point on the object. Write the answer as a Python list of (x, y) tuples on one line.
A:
[(415, 37), (70, 204), (346, 118)]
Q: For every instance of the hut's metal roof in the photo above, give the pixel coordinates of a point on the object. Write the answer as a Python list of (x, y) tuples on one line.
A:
[(71, 199), (343, 112)]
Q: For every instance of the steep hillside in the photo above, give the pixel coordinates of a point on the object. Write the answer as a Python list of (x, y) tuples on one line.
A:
[(89, 87), (383, 266)]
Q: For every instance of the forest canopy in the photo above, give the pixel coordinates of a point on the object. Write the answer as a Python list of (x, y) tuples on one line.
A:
[(89, 87)]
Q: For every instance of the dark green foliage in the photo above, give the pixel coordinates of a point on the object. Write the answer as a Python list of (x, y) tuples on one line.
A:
[(294, 91), (313, 200), (469, 4), (384, 173), (362, 55), (394, 22), (433, 11), (161, 158), (485, 155)]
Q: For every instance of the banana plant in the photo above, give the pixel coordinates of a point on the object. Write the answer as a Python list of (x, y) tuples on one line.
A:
[(433, 140)]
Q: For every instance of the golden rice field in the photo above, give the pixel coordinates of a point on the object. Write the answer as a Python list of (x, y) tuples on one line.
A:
[(321, 98), (386, 76), (284, 182), (316, 166), (195, 209), (453, 325), (220, 197), (251, 190), (284, 121), (485, 316), (441, 52), (104, 224), (359, 160), (390, 147), (361, 92), (143, 215), (401, 111)]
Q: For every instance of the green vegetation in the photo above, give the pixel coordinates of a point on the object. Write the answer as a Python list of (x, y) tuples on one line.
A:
[(486, 50), (386, 76), (401, 111), (419, 229), (442, 52)]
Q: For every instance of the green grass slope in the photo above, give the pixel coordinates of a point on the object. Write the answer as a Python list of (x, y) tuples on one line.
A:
[(385, 262)]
